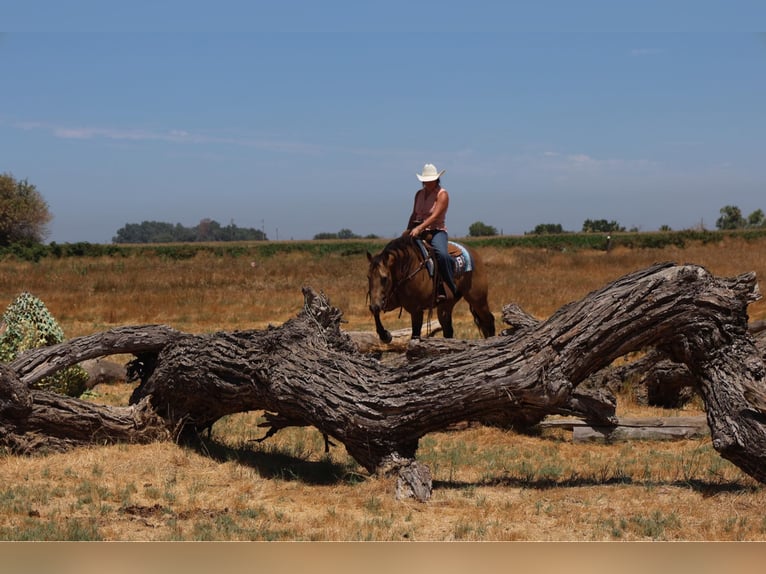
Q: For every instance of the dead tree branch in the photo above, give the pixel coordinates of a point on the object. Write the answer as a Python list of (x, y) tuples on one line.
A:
[(308, 372)]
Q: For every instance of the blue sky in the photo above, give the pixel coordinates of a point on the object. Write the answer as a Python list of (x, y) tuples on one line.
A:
[(306, 117)]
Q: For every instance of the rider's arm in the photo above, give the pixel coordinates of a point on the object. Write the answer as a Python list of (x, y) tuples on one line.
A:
[(413, 221)]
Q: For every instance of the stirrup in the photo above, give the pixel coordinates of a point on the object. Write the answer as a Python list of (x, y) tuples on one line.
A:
[(441, 292)]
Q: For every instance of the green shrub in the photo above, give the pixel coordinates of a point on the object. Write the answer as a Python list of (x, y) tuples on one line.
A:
[(27, 324)]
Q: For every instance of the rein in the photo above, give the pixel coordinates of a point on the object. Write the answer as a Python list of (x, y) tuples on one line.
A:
[(411, 275), (400, 284), (401, 255), (420, 267)]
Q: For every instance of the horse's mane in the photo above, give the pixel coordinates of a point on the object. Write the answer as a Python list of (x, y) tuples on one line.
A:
[(401, 249), (401, 243)]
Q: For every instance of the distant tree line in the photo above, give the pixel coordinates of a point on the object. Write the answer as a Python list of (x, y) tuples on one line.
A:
[(342, 234), (732, 218), (480, 229), (24, 217), (206, 230)]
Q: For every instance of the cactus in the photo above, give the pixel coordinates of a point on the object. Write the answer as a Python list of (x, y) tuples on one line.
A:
[(27, 324)]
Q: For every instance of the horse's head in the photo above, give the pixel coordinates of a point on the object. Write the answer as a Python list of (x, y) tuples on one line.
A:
[(389, 272), (380, 282), (381, 289)]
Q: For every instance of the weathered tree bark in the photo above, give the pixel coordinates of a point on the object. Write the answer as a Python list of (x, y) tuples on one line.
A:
[(308, 372), (35, 420), (35, 364)]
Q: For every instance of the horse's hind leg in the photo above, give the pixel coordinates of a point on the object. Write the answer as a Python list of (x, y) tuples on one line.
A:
[(483, 318)]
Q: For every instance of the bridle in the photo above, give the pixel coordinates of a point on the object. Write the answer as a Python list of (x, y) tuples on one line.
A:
[(397, 285)]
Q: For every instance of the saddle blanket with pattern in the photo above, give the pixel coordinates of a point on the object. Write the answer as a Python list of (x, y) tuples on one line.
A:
[(461, 259)]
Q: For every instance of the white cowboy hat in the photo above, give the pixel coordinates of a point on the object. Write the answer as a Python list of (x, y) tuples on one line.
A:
[(430, 173)]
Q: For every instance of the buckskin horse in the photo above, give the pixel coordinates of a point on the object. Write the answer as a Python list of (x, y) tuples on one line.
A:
[(404, 275)]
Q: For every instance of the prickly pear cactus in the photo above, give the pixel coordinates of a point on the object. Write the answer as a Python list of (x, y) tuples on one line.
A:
[(27, 324)]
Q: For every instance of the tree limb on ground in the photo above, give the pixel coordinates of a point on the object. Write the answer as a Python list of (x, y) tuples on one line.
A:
[(308, 372)]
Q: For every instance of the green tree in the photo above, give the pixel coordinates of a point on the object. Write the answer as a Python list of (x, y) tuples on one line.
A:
[(601, 226), (731, 218), (206, 230), (342, 234), (479, 229), (545, 228), (24, 214), (756, 219), (346, 234)]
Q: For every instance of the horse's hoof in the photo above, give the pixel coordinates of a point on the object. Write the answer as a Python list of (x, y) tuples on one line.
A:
[(386, 337)]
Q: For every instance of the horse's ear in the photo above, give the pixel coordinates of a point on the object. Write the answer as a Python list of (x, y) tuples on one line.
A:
[(369, 257)]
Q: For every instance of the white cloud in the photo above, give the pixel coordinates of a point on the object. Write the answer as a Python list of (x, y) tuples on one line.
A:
[(177, 136), (564, 165), (580, 159), (84, 133)]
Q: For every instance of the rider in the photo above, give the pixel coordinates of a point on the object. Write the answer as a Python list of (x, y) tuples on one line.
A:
[(429, 215)]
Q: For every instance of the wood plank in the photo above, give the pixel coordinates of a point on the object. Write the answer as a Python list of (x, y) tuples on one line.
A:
[(650, 428), (369, 342)]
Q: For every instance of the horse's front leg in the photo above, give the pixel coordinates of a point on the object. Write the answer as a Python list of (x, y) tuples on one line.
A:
[(417, 323), (383, 333), (444, 313)]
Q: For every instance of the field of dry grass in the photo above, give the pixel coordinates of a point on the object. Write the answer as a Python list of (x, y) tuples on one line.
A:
[(489, 484)]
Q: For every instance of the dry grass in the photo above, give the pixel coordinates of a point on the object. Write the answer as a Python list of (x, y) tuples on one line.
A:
[(489, 484)]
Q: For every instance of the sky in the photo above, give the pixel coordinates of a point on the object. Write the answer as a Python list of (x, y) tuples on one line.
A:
[(299, 118)]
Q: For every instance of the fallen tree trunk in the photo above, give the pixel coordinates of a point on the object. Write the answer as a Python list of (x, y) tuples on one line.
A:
[(307, 372), (36, 420), (652, 428)]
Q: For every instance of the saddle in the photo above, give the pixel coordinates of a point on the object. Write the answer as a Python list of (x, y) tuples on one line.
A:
[(459, 256)]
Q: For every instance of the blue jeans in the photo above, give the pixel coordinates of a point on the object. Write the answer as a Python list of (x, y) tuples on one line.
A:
[(443, 259)]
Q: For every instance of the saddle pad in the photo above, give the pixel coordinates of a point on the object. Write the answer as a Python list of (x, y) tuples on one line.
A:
[(459, 252), (460, 257)]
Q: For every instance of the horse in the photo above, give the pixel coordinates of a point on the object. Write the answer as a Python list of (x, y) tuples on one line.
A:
[(405, 275)]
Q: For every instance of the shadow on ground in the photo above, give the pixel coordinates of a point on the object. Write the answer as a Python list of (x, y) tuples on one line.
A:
[(275, 463), (703, 487)]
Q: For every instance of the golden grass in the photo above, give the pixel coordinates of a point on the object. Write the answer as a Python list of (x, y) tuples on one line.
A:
[(489, 484), (208, 293)]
